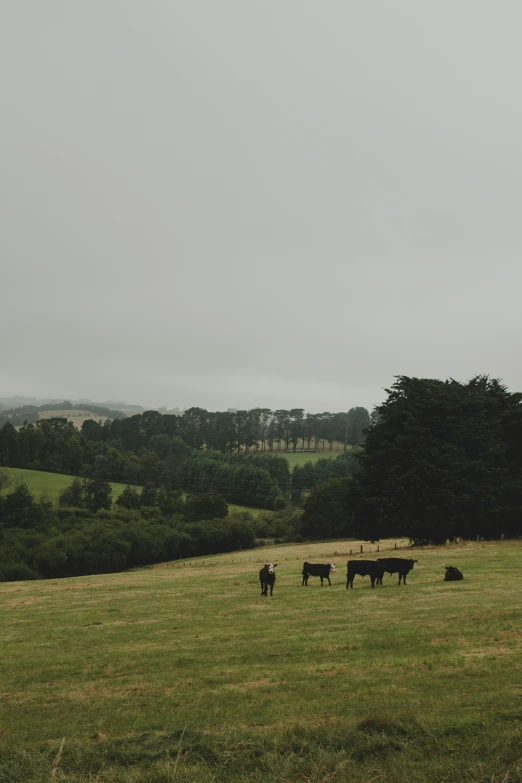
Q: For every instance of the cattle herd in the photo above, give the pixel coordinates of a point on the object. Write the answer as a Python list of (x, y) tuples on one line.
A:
[(375, 569)]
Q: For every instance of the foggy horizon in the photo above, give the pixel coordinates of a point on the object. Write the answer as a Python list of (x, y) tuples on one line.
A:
[(258, 205)]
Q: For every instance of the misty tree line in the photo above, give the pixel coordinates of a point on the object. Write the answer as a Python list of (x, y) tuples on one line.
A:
[(259, 429), (161, 457), (30, 414)]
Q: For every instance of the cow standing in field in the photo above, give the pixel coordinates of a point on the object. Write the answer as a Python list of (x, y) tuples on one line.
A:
[(267, 578), (371, 568), (317, 569), (397, 565), (453, 574)]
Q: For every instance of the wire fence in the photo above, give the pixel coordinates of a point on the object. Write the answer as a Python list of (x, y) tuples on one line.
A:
[(212, 560)]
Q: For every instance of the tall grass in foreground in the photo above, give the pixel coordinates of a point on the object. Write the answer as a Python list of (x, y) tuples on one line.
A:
[(189, 675)]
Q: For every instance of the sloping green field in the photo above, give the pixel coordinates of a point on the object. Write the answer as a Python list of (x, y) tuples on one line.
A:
[(184, 673), (52, 484), (302, 457)]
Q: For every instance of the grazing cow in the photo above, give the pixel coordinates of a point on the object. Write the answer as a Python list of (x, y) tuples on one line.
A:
[(317, 569), (371, 568), (397, 565), (453, 574), (267, 578)]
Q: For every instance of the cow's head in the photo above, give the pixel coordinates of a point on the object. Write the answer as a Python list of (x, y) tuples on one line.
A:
[(271, 567), (332, 568)]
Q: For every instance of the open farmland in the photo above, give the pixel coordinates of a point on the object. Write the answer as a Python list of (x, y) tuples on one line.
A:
[(184, 673)]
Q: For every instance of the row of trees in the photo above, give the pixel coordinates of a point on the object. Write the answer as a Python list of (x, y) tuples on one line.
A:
[(259, 429), (443, 460), (258, 479)]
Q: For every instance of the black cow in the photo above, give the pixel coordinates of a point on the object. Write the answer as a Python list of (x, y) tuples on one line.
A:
[(267, 578), (371, 568), (317, 569), (397, 565), (453, 574)]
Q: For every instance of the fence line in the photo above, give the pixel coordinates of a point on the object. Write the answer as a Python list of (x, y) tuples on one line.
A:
[(209, 560)]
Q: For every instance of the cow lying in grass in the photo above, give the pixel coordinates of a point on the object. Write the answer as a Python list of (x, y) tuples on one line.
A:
[(371, 568), (317, 569), (453, 574), (267, 578)]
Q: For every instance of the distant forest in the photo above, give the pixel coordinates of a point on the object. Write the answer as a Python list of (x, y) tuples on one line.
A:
[(226, 453), (259, 428)]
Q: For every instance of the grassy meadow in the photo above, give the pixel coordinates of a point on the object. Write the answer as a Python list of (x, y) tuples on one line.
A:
[(301, 458), (185, 673), (50, 484)]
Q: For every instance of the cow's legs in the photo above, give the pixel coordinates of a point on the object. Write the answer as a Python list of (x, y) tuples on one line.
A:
[(329, 581), (321, 581), (373, 581), (404, 579)]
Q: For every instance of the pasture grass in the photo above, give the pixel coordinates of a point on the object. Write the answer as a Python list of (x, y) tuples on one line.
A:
[(302, 457), (185, 673), (53, 484), (50, 484)]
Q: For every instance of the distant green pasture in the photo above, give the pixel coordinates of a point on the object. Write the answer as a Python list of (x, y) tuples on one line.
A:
[(53, 484), (301, 458)]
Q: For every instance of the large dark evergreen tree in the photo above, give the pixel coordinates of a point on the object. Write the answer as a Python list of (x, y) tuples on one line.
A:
[(442, 459)]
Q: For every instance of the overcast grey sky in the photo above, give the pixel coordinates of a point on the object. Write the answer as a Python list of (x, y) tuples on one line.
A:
[(231, 203)]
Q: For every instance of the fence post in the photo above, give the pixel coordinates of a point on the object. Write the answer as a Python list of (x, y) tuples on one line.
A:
[(395, 545), (478, 539), (350, 551), (377, 547), (361, 549), (502, 537)]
